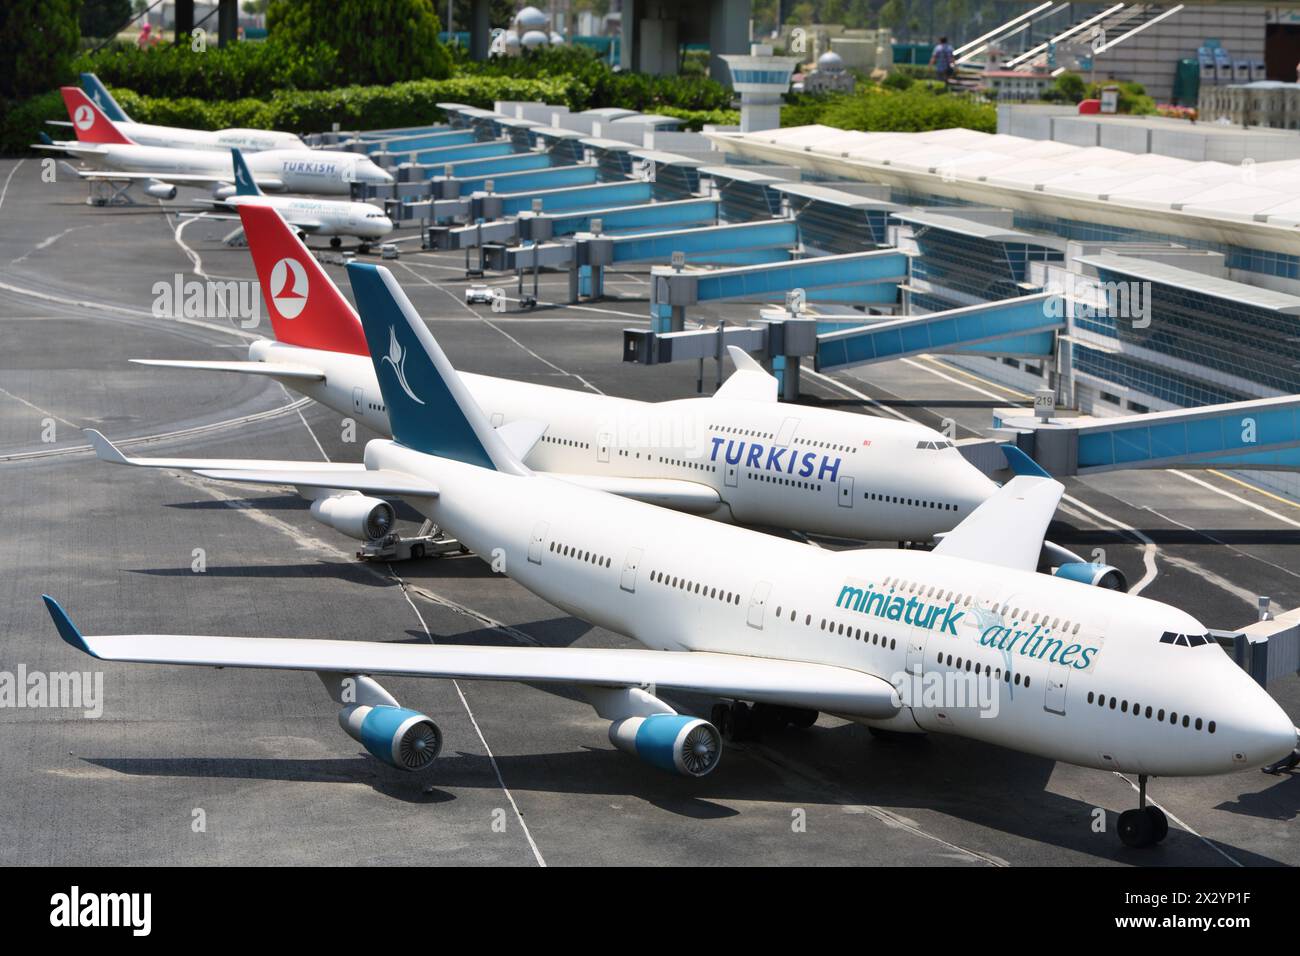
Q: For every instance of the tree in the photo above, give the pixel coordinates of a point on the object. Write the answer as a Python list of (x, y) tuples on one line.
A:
[(892, 14), (38, 39), (103, 18), (378, 41)]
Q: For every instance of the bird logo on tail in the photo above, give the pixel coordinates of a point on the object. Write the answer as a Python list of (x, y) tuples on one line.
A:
[(396, 357)]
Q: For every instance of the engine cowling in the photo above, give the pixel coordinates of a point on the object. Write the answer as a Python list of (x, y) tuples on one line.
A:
[(674, 742), (222, 191), (357, 516), (1094, 573), (401, 738), (161, 190)]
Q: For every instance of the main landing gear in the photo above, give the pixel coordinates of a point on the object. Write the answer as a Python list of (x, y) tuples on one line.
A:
[(1145, 826), (740, 721)]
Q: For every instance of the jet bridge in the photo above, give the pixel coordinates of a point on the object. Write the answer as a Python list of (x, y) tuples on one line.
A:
[(860, 278), (1259, 434)]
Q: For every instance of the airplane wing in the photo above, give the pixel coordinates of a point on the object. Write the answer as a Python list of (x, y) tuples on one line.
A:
[(674, 493), (304, 225), (182, 178), (272, 369), (368, 481), (299, 474), (1007, 529), (750, 381), (821, 687), (75, 149)]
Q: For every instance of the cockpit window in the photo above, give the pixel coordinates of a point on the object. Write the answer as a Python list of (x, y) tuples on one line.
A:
[(933, 445), (1185, 640)]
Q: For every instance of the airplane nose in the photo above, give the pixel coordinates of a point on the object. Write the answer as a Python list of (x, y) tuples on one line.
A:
[(1271, 735), (370, 173)]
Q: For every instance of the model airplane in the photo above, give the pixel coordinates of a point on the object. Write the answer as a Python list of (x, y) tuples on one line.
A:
[(737, 456), (119, 158), (888, 638), (319, 217)]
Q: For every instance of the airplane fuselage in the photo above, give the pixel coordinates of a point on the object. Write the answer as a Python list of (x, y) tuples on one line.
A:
[(1072, 672), (335, 217), (296, 170), (174, 137), (776, 464)]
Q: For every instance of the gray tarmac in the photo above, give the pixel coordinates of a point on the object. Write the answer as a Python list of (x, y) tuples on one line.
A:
[(189, 765)]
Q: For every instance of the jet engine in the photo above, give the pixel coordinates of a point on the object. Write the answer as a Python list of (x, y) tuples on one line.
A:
[(1094, 573), (222, 191), (161, 190), (401, 738), (357, 516), (674, 742)]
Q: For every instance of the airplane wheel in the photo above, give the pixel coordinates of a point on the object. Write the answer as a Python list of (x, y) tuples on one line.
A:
[(1137, 828), (736, 721), (1159, 823), (364, 248), (720, 717), (335, 242), (417, 552), (768, 717)]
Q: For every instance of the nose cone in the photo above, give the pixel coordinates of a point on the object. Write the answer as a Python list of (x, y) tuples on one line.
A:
[(368, 172), (1266, 732)]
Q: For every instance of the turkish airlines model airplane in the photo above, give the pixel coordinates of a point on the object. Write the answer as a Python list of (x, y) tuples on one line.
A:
[(966, 639), (176, 137), (319, 217), (120, 158), (738, 456)]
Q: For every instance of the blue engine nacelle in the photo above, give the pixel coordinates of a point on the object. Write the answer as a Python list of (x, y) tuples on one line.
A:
[(673, 742), (401, 738), (1094, 573)]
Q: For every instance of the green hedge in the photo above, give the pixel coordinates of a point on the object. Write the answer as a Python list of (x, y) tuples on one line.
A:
[(296, 111), (916, 109)]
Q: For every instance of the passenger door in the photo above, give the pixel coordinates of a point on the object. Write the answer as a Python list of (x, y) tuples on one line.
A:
[(537, 541), (846, 491), (630, 566), (758, 604)]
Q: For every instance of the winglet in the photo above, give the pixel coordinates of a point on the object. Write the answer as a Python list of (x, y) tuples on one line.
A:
[(245, 185), (105, 450), (1022, 464), (96, 90), (89, 121), (429, 407), (67, 630)]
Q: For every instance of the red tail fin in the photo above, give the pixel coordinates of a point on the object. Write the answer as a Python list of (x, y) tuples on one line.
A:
[(307, 308), (88, 120)]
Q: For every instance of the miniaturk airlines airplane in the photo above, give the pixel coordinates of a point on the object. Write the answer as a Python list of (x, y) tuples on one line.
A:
[(319, 217), (175, 137), (966, 639), (737, 456), (99, 141)]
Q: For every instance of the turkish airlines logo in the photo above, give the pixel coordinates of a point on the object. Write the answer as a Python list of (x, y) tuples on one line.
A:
[(83, 117), (289, 287), (396, 358)]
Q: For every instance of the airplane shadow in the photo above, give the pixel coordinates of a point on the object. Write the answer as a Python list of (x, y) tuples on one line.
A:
[(353, 572)]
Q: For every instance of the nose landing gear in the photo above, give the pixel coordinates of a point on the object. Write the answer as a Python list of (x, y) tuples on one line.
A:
[(1145, 826)]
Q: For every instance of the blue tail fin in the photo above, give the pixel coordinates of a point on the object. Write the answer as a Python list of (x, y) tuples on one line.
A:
[(96, 90), (245, 185), (429, 407)]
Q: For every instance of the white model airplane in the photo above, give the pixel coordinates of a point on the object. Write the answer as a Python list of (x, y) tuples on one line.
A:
[(120, 159), (888, 638), (737, 456), (176, 137), (319, 217)]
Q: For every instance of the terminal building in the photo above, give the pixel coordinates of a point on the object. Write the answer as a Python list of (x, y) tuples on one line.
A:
[(1124, 283)]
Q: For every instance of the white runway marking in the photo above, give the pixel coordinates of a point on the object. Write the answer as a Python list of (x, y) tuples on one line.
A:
[(537, 854), (1213, 846), (1149, 548), (5, 191), (497, 328), (1237, 498), (45, 243)]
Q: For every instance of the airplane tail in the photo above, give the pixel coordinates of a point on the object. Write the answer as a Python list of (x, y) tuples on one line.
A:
[(429, 407), (306, 307), (245, 185), (103, 99), (89, 121)]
